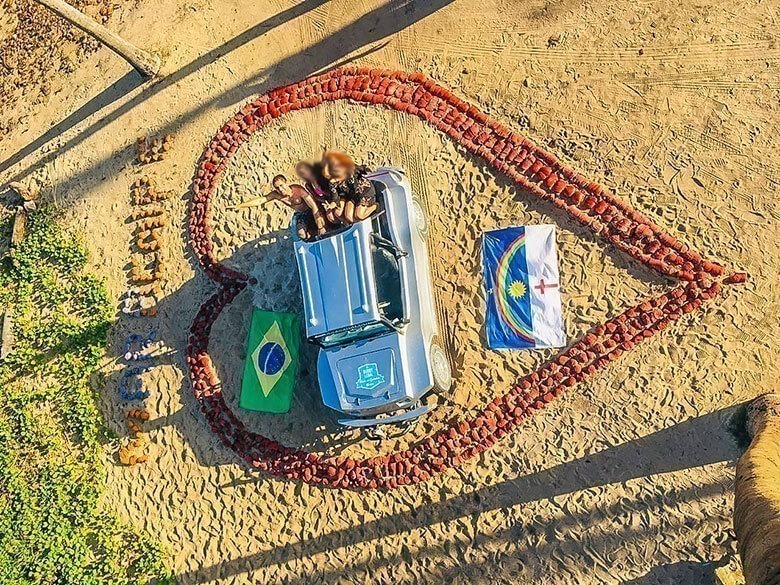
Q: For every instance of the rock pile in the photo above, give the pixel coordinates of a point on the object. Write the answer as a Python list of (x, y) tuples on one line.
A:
[(146, 274), (153, 150)]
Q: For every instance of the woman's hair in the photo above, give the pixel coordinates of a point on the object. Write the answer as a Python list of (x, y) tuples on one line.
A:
[(343, 159), (278, 178)]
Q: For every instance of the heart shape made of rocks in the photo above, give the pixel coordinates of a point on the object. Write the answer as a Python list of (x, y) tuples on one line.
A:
[(537, 172)]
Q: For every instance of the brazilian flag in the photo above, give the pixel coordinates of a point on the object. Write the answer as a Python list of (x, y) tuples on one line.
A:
[(271, 362)]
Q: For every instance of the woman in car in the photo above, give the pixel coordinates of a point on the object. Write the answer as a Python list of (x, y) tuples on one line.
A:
[(319, 188), (347, 182)]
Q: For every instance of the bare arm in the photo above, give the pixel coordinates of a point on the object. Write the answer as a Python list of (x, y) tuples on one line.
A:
[(253, 202), (316, 211), (324, 162), (276, 196), (312, 204)]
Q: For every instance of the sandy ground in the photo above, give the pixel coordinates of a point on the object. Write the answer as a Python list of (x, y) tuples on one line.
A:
[(626, 479), (37, 48)]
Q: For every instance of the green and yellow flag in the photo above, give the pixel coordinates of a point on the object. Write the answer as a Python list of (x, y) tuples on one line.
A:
[(271, 362)]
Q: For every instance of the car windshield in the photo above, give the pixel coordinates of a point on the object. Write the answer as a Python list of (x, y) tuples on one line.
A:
[(353, 334)]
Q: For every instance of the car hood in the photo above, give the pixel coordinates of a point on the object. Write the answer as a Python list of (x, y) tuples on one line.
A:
[(363, 377), (337, 280)]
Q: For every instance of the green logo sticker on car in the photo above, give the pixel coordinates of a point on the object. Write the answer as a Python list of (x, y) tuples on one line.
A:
[(369, 377)]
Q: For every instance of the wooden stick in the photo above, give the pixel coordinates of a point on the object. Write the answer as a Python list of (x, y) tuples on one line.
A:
[(148, 64), (253, 202), (6, 337)]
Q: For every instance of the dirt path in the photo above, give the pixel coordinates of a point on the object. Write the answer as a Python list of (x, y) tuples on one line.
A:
[(629, 477)]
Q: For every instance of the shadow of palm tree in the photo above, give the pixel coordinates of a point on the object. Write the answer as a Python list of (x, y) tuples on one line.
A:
[(496, 571), (370, 28), (132, 80), (309, 424), (682, 572), (692, 443)]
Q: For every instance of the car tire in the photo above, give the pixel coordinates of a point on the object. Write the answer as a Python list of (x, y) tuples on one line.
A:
[(420, 217), (440, 367)]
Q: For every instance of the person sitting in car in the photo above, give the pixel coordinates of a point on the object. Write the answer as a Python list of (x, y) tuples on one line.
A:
[(319, 188), (347, 182), (309, 219)]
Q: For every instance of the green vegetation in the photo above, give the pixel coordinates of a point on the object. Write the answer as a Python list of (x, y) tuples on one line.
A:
[(52, 527)]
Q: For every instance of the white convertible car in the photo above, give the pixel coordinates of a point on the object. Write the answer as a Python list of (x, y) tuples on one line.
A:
[(368, 304)]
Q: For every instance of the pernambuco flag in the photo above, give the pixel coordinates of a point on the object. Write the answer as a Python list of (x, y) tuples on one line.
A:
[(522, 285)]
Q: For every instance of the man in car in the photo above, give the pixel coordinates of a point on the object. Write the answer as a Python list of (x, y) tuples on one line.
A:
[(309, 219)]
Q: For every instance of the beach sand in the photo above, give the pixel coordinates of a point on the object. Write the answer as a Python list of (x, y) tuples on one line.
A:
[(627, 478)]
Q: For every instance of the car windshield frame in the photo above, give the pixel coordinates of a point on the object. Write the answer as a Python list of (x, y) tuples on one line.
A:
[(353, 334)]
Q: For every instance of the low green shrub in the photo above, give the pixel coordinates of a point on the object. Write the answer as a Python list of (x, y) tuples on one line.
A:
[(53, 528)]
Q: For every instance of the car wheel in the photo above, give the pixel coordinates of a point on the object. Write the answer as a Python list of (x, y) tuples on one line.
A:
[(420, 217), (440, 367)]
